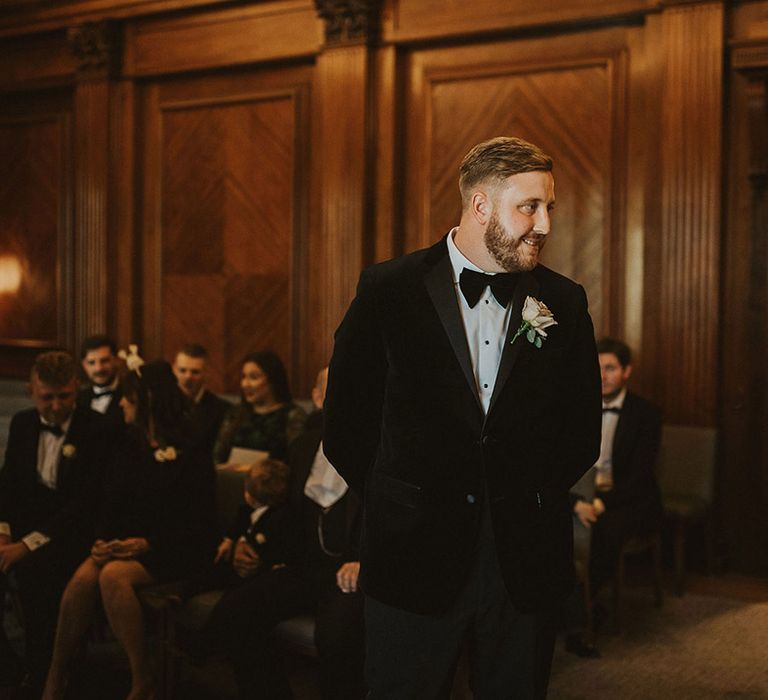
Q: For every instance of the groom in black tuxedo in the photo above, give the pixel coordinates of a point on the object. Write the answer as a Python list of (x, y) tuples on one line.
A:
[(463, 402), (49, 488)]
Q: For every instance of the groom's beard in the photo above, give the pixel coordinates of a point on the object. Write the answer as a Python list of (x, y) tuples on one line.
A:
[(512, 254)]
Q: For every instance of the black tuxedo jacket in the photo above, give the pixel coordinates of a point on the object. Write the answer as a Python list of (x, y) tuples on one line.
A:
[(114, 413), (205, 418), (404, 425), (635, 450), (68, 510), (301, 455)]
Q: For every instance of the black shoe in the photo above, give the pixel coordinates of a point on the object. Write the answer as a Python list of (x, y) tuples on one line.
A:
[(576, 645)]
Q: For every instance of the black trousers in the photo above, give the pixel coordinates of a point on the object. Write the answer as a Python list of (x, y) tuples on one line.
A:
[(243, 621), (414, 657)]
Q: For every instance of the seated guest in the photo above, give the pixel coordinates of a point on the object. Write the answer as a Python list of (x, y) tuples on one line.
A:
[(262, 523), (266, 418), (48, 486), (627, 500), (98, 357), (156, 525), (321, 578), (204, 409)]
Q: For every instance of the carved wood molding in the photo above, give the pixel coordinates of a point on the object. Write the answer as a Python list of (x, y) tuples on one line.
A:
[(96, 46), (349, 21), (751, 56)]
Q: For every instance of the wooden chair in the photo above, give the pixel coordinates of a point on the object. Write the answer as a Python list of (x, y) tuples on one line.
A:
[(686, 475), (640, 544)]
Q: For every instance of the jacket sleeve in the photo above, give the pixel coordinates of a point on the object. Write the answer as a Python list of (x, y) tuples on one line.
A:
[(355, 395), (580, 445), (9, 476)]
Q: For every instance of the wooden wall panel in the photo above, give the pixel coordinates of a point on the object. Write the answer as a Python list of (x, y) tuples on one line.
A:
[(686, 293), (36, 266), (410, 20), (571, 108), (223, 219)]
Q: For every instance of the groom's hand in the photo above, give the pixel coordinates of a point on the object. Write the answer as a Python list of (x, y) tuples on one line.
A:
[(346, 576)]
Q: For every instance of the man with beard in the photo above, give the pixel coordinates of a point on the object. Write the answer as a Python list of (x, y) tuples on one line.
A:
[(98, 357), (464, 402)]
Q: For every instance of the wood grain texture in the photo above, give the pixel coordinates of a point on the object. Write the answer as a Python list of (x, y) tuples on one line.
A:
[(33, 233), (221, 233), (262, 32), (688, 281), (411, 20)]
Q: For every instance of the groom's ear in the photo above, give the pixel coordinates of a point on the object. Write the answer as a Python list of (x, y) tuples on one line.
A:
[(481, 207)]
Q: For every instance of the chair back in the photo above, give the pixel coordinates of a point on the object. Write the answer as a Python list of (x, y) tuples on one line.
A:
[(686, 463), (229, 493)]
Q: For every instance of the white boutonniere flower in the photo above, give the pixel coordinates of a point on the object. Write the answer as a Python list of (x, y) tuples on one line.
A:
[(167, 454), (133, 361), (536, 318), (68, 450)]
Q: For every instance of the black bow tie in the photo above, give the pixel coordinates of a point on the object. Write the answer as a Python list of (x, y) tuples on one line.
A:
[(54, 429), (612, 409), (473, 284)]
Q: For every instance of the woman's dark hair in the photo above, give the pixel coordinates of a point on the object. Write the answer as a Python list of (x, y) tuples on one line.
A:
[(158, 400), (273, 367)]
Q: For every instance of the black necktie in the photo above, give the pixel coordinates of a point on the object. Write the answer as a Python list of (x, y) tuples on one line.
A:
[(473, 284), (612, 409), (55, 429)]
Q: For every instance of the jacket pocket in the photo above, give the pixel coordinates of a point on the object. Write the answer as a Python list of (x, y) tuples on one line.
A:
[(385, 486)]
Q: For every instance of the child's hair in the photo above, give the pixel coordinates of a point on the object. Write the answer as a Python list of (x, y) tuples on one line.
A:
[(267, 482)]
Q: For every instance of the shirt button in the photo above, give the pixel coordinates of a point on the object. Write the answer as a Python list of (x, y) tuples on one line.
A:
[(485, 386), (487, 302), (470, 498), (487, 342)]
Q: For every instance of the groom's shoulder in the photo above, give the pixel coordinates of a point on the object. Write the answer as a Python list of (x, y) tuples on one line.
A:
[(557, 283), (400, 269)]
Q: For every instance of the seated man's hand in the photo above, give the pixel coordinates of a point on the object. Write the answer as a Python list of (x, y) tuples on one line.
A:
[(10, 554), (585, 512), (346, 576), (246, 560), (224, 550), (5, 539), (100, 552), (129, 548)]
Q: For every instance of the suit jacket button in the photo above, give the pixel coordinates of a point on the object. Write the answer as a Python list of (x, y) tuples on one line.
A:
[(470, 498), (485, 439)]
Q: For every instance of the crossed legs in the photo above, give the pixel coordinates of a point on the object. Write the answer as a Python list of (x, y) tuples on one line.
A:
[(115, 584)]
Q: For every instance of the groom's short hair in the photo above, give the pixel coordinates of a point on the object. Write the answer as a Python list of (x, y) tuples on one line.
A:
[(495, 160), (616, 347)]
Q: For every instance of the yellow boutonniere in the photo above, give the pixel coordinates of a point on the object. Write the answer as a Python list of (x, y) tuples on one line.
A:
[(68, 450), (167, 454)]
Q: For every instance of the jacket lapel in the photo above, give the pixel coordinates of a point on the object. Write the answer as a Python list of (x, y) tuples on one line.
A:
[(527, 286), (440, 286)]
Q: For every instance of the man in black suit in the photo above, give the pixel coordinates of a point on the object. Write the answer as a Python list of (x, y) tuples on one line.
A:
[(465, 405), (98, 357), (205, 409), (628, 501), (321, 578), (48, 490)]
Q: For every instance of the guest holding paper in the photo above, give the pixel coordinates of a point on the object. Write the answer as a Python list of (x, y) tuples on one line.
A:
[(266, 420)]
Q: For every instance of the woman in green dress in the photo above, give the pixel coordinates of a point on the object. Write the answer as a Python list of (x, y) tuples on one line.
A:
[(266, 418)]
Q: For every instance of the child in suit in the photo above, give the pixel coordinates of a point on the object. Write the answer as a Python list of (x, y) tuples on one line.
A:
[(260, 536)]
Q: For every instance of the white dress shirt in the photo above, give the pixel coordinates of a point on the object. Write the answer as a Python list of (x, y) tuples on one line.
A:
[(604, 464), (324, 484), (485, 326), (100, 402)]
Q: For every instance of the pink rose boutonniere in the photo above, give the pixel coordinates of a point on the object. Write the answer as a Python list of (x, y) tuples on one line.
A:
[(536, 318)]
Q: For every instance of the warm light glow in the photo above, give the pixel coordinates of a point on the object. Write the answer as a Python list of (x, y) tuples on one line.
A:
[(10, 274)]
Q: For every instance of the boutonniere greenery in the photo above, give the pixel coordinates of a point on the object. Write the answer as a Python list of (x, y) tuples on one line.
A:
[(68, 450), (536, 318), (165, 454)]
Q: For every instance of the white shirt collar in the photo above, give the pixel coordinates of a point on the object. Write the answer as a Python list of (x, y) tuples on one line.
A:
[(458, 260), (102, 389), (64, 426)]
